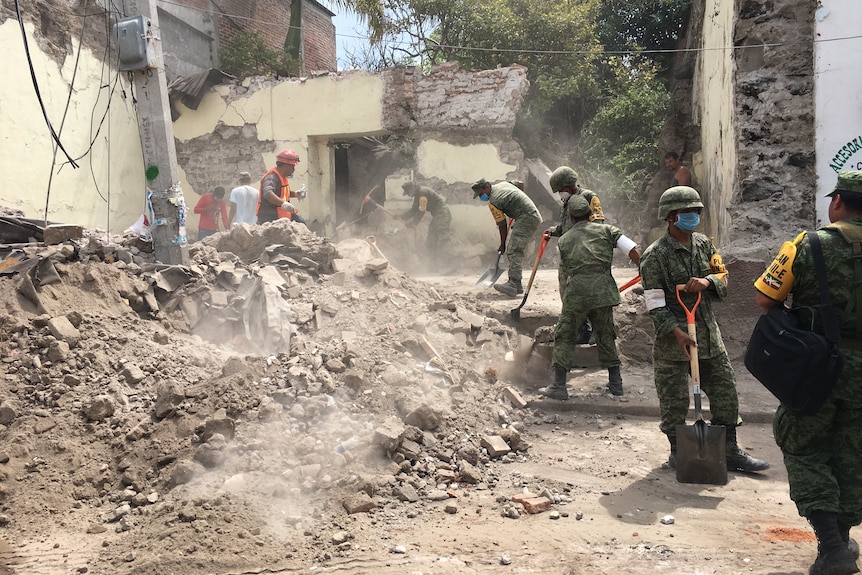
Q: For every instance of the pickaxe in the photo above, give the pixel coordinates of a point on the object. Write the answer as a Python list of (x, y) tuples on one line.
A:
[(368, 200)]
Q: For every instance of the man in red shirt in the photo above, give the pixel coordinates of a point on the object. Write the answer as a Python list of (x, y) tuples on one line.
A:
[(209, 207)]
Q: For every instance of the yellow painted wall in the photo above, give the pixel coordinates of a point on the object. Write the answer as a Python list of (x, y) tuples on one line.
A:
[(714, 101), (109, 175), (453, 163), (303, 115)]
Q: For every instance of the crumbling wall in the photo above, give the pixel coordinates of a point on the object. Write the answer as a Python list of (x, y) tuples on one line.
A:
[(774, 103), (464, 116)]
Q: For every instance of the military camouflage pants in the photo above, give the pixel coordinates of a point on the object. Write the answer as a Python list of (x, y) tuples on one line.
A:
[(439, 241), (566, 334), (823, 452), (519, 238), (717, 382)]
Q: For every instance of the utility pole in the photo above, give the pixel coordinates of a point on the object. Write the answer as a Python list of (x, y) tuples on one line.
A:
[(140, 52)]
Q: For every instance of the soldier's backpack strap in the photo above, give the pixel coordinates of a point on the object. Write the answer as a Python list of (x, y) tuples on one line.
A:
[(852, 234)]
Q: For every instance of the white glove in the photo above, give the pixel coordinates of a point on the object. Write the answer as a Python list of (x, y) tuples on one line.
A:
[(287, 207)]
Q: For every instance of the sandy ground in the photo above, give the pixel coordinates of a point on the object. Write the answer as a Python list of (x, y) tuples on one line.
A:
[(272, 501)]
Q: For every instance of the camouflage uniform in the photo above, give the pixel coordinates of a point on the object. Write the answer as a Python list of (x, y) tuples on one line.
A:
[(507, 201), (823, 452), (439, 240), (566, 224), (665, 264), (586, 255)]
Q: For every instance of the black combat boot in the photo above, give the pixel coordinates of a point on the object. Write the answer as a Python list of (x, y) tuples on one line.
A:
[(737, 459), (671, 459), (510, 288), (557, 389), (615, 381), (852, 545), (833, 555)]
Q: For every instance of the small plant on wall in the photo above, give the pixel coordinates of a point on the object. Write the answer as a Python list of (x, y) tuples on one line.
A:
[(247, 55)]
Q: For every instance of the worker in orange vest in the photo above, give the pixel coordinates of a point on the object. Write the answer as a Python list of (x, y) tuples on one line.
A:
[(274, 199)]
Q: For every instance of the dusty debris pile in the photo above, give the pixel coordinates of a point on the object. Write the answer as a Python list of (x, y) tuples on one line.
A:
[(266, 392)]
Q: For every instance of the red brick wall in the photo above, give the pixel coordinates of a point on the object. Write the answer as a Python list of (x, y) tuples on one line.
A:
[(319, 39), (271, 18)]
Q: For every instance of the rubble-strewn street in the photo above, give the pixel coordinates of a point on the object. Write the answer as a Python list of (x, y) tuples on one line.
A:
[(290, 405)]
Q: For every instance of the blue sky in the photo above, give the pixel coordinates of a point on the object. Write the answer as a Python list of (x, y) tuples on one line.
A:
[(347, 25)]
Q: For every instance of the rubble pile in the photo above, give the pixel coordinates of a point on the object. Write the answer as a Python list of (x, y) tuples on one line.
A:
[(229, 410)]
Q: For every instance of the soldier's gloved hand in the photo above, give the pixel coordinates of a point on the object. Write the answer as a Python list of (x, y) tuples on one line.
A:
[(287, 207), (547, 234)]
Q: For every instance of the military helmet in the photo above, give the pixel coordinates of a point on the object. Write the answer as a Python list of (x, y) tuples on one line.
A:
[(578, 206), (677, 198), (562, 177)]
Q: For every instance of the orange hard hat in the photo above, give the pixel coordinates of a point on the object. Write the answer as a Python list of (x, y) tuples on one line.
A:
[(287, 157)]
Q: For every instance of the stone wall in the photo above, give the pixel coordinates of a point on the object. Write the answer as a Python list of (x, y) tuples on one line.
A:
[(774, 103)]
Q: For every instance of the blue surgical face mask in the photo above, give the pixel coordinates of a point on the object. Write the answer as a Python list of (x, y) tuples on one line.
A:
[(687, 221), (484, 197)]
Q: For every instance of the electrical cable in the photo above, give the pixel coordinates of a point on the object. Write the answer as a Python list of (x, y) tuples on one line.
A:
[(63, 119), (584, 51), (54, 135)]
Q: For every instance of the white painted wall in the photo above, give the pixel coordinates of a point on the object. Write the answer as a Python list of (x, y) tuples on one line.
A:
[(108, 187), (838, 90)]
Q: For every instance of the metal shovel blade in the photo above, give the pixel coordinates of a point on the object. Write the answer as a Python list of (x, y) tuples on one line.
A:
[(700, 453), (491, 276)]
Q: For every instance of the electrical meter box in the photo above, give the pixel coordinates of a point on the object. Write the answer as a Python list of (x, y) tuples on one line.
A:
[(134, 43)]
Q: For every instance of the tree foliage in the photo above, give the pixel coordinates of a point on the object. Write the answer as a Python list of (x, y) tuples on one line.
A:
[(596, 69), (246, 55)]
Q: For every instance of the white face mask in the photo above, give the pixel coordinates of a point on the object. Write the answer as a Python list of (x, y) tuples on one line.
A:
[(565, 196)]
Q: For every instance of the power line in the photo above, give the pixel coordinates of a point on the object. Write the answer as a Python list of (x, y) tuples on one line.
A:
[(576, 52)]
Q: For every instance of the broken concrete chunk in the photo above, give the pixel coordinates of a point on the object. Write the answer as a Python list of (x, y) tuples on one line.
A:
[(511, 394), (424, 417), (133, 374), (358, 503), (474, 319), (388, 435), (377, 265), (495, 445), (61, 328), (100, 408)]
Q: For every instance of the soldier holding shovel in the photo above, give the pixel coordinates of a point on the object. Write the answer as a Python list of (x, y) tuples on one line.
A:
[(685, 257)]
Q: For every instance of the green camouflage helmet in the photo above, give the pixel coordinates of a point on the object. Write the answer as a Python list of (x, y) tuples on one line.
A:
[(677, 198), (562, 177), (849, 183), (578, 206)]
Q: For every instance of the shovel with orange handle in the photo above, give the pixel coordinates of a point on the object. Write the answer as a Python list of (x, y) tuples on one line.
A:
[(700, 448)]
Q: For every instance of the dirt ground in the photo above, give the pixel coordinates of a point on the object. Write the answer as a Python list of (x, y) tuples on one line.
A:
[(143, 434)]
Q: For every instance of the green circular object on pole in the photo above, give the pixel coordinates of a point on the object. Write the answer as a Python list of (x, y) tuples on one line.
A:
[(152, 173)]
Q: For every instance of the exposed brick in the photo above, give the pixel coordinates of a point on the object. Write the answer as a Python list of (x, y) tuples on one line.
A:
[(495, 445), (532, 503), (514, 397)]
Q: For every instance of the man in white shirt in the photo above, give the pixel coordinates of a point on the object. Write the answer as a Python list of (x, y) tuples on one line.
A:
[(243, 201)]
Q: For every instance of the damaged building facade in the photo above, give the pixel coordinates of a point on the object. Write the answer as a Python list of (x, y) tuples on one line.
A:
[(761, 119)]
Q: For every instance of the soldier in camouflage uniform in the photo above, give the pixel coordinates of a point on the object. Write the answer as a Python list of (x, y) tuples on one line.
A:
[(564, 181), (438, 243), (586, 254), (823, 452), (685, 257), (507, 201)]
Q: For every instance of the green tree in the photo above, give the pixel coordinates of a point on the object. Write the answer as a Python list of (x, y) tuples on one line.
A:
[(246, 55), (619, 145)]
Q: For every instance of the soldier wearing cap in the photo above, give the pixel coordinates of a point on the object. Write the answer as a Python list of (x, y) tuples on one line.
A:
[(243, 201), (506, 200), (823, 452), (586, 254)]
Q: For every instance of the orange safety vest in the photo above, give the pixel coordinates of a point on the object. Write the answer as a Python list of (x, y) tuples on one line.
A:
[(285, 194)]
